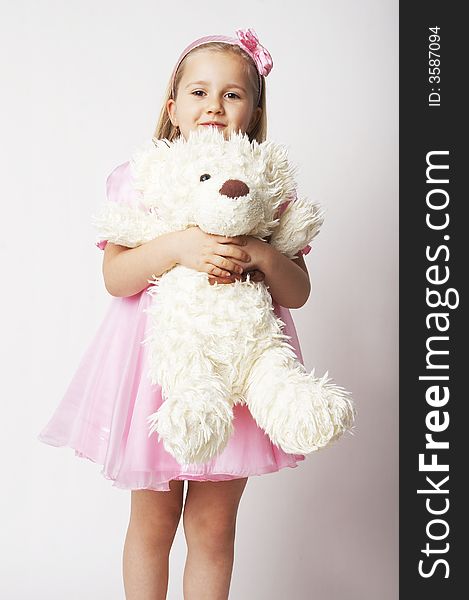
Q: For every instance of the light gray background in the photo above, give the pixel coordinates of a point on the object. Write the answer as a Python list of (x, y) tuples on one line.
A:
[(82, 86)]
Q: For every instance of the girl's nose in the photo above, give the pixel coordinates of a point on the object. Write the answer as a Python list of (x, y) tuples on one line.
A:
[(214, 105)]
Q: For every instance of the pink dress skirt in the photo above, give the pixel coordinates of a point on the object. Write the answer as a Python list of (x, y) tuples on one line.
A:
[(103, 414)]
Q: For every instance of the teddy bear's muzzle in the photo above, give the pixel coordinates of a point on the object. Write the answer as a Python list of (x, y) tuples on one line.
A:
[(234, 188)]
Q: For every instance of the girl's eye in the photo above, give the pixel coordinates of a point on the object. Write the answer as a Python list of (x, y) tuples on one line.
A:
[(204, 177), (231, 95)]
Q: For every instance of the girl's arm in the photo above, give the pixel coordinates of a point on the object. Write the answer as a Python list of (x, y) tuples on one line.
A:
[(126, 271), (288, 279)]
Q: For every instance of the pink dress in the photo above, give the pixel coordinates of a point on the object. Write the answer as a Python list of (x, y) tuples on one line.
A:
[(103, 415)]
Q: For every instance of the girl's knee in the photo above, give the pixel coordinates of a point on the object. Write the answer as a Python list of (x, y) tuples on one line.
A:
[(156, 515), (214, 528), (214, 533), (210, 512)]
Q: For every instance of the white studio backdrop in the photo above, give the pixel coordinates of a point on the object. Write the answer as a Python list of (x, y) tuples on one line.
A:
[(82, 87)]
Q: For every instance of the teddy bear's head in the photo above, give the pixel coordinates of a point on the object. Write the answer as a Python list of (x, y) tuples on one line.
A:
[(226, 187)]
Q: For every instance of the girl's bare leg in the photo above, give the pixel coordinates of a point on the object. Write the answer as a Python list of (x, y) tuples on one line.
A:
[(209, 521), (153, 523)]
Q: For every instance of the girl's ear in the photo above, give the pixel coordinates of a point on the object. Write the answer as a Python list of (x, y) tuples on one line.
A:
[(255, 118), (171, 109)]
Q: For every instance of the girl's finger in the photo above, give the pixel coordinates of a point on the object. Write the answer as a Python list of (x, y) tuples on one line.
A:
[(256, 276), (229, 267), (232, 252), (217, 272), (232, 279), (222, 239)]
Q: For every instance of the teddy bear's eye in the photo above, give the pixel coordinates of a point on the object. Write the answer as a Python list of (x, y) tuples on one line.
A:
[(204, 177)]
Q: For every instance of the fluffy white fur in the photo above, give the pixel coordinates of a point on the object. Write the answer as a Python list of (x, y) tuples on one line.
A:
[(211, 347)]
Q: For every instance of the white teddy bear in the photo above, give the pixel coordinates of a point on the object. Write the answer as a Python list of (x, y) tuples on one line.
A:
[(213, 346)]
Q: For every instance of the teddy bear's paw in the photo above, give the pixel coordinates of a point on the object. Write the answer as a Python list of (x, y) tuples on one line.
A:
[(192, 431), (341, 407), (320, 413)]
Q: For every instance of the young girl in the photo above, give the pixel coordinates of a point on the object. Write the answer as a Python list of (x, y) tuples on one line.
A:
[(218, 82)]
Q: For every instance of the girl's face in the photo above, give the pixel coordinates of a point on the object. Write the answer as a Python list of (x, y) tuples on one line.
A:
[(214, 91)]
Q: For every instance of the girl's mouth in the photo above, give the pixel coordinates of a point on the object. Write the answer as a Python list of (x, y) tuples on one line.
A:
[(219, 125)]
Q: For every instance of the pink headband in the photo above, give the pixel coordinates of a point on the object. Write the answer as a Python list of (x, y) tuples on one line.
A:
[(247, 40)]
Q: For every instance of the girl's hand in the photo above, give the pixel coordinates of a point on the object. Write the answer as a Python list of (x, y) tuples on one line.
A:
[(255, 276), (221, 257), (260, 254)]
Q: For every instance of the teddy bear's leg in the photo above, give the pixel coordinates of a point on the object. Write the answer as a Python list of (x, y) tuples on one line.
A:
[(299, 412), (195, 420)]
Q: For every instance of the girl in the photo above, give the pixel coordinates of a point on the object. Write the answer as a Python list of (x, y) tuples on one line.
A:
[(218, 82)]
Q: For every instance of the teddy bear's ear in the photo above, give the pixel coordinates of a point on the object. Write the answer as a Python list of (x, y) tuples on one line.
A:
[(277, 170), (299, 223), (147, 160)]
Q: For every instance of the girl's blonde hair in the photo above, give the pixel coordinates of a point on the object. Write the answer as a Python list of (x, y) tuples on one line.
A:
[(166, 130)]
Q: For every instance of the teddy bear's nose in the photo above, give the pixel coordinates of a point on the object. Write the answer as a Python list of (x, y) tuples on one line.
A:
[(233, 188)]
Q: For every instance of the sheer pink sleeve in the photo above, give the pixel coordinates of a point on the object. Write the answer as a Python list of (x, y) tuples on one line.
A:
[(120, 189)]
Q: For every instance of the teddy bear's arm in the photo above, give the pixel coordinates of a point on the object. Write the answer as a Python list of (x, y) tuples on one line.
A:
[(127, 225), (298, 225), (123, 218)]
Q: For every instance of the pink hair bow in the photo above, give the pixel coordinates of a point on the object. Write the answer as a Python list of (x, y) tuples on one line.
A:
[(261, 56)]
